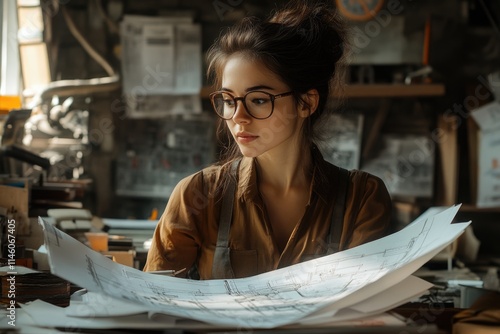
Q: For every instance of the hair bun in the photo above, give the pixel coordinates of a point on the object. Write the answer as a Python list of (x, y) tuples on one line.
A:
[(314, 20)]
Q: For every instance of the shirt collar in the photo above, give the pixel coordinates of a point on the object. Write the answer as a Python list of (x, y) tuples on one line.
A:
[(323, 174), (247, 182)]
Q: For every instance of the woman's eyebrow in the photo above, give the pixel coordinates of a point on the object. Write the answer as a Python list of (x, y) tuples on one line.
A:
[(249, 89), (259, 87)]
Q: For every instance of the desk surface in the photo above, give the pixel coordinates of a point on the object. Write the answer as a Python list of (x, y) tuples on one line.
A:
[(428, 329), (26, 324)]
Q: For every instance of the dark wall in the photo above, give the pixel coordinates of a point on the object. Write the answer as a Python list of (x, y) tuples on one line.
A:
[(461, 33)]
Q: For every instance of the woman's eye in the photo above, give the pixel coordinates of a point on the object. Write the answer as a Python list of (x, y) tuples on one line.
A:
[(260, 101), (228, 102)]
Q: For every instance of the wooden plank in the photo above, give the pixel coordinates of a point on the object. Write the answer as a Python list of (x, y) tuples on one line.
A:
[(473, 133), (374, 131), (474, 209), (394, 90), (375, 90), (448, 154)]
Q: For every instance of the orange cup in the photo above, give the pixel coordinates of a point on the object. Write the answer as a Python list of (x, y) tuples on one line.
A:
[(98, 241)]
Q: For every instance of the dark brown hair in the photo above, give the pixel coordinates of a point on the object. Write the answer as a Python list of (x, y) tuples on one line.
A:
[(303, 44)]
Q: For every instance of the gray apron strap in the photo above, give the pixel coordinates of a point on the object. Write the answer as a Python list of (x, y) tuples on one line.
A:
[(221, 267), (337, 221)]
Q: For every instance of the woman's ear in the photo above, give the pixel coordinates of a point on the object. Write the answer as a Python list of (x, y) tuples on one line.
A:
[(309, 104)]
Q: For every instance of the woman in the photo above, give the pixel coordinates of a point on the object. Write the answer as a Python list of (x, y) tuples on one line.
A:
[(273, 201)]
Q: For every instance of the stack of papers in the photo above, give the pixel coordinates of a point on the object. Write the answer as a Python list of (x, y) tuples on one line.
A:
[(353, 284), (24, 284)]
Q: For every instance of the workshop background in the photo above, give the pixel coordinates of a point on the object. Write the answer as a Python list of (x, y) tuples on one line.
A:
[(113, 95)]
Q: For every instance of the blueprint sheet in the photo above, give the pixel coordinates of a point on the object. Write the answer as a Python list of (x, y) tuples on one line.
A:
[(316, 288)]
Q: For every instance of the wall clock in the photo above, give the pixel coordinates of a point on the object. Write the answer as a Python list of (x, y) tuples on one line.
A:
[(359, 10)]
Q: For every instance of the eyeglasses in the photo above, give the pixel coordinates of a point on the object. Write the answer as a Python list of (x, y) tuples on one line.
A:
[(258, 104)]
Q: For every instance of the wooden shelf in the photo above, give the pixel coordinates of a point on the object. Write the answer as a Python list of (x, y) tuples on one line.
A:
[(473, 209), (394, 90), (377, 90)]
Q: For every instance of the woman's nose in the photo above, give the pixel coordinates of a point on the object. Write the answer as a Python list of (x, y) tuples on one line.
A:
[(240, 114)]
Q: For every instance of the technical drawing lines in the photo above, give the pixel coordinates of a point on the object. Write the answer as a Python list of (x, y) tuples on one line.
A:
[(91, 270), (106, 280), (53, 236), (160, 291)]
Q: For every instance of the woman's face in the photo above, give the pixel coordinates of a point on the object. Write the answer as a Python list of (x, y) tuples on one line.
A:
[(277, 134)]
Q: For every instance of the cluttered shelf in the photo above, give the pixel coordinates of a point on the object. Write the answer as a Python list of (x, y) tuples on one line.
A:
[(377, 90)]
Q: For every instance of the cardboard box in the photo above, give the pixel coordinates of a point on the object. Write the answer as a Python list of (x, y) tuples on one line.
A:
[(14, 197), (123, 257)]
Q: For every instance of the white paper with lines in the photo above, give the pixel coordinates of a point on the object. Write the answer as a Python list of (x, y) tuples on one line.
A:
[(284, 296)]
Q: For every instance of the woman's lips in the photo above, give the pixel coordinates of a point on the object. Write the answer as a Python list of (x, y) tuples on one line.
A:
[(245, 138)]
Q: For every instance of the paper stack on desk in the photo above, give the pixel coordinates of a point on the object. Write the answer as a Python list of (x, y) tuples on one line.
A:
[(359, 282), (26, 284)]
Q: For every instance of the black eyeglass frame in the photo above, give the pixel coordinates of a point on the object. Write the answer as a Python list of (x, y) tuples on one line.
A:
[(272, 97)]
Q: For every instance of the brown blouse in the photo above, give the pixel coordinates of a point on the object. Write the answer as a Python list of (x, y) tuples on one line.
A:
[(187, 231)]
